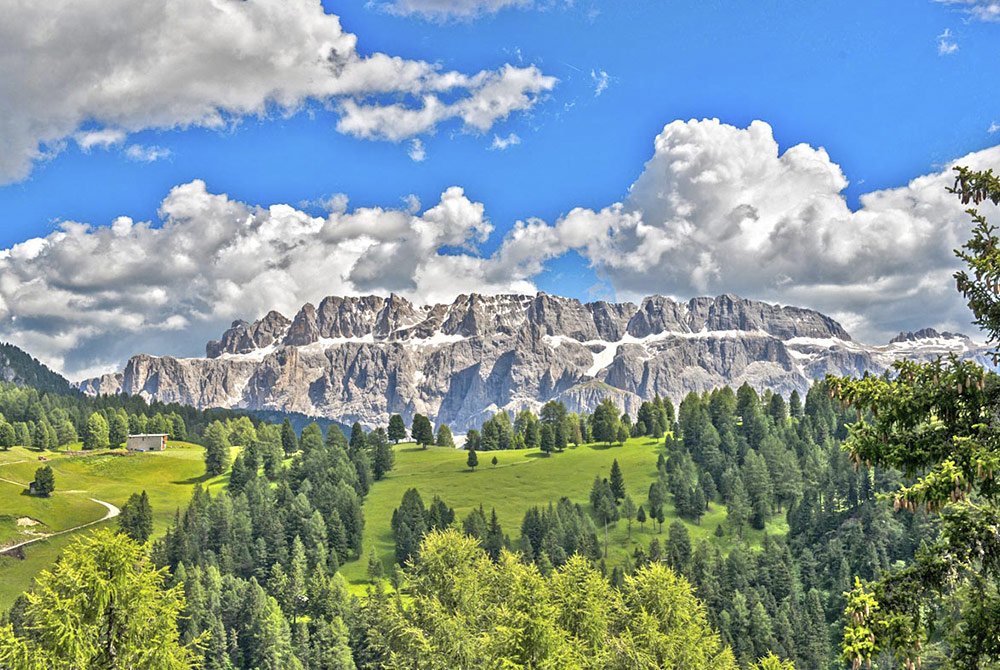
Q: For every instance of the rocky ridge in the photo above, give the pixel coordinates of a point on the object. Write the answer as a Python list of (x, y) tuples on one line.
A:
[(365, 358)]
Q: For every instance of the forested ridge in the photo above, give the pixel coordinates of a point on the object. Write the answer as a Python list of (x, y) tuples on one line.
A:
[(46, 419)]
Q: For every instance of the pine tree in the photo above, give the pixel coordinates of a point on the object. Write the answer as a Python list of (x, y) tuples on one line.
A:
[(472, 461), (422, 431), (289, 441), (444, 437), (604, 422), (397, 429), (103, 605), (617, 481), (44, 483), (640, 516), (217, 449), (628, 510), (375, 568), (136, 518), (7, 435), (494, 461), (358, 441), (546, 440)]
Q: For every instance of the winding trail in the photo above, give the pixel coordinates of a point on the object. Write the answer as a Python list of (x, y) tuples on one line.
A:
[(112, 512)]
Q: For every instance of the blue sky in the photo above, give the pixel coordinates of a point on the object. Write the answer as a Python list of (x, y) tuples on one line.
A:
[(891, 93)]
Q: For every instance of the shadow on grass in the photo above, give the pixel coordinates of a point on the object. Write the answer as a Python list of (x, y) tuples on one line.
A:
[(201, 479)]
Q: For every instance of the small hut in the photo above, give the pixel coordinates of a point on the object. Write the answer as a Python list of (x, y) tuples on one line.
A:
[(146, 442)]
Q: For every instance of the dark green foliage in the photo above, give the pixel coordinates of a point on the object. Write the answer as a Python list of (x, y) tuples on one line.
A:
[(217, 449), (409, 525), (937, 423), (547, 440), (422, 430), (44, 483), (7, 435), (289, 442), (604, 422), (473, 440), (24, 370), (473, 460), (383, 457), (397, 429), (358, 439), (617, 481), (136, 518)]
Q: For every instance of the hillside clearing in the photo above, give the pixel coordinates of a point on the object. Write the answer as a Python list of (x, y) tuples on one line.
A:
[(523, 479)]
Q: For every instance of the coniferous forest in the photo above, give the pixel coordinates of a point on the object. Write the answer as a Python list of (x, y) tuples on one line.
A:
[(885, 484)]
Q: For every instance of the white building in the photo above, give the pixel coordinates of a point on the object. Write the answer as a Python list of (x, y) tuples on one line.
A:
[(146, 442)]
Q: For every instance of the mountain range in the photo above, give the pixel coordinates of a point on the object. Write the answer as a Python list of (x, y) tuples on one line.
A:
[(365, 358)]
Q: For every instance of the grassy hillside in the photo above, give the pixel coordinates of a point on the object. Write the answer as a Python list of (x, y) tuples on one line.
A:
[(521, 480), (168, 477)]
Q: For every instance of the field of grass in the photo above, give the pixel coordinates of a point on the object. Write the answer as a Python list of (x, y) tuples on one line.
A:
[(168, 478), (520, 480)]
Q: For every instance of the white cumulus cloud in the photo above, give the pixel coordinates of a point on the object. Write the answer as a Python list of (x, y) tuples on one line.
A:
[(722, 209), (88, 296), (716, 209), (97, 70)]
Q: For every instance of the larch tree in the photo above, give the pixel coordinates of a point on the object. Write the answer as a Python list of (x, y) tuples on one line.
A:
[(102, 605), (938, 423)]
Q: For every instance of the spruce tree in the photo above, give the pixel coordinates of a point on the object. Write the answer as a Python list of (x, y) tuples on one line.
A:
[(217, 449), (617, 481), (357, 442), (136, 518), (289, 441), (397, 429), (422, 431), (44, 483), (472, 461)]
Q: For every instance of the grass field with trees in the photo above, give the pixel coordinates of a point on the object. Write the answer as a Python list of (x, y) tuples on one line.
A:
[(168, 478), (522, 479)]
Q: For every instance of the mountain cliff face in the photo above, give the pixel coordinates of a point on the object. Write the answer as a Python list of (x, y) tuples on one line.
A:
[(365, 358)]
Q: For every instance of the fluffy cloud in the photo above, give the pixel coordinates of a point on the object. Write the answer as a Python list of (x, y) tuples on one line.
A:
[(96, 70), (86, 297), (722, 209), (716, 209)]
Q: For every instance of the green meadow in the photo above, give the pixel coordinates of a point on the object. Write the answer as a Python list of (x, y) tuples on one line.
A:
[(168, 477), (520, 480)]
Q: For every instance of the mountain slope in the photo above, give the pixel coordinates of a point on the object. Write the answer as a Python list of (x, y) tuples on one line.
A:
[(365, 358), (19, 367)]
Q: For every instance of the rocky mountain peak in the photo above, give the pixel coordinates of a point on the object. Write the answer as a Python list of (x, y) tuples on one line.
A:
[(364, 358), (926, 334)]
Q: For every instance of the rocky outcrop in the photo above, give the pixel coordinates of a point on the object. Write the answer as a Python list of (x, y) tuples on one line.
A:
[(366, 358)]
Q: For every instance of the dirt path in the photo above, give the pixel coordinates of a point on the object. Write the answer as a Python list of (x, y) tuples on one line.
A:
[(112, 512)]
